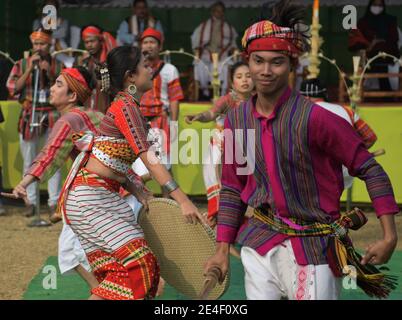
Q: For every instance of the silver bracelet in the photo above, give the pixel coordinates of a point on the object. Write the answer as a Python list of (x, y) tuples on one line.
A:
[(170, 186)]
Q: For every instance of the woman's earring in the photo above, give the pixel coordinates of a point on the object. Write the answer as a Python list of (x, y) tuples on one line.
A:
[(132, 89)]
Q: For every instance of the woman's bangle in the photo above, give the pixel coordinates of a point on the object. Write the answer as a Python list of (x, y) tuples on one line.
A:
[(170, 186)]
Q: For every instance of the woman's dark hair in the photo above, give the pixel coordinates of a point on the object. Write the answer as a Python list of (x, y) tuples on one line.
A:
[(290, 14), (87, 76), (89, 79), (119, 61), (234, 67)]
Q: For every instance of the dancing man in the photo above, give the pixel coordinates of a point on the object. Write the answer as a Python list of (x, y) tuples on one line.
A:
[(69, 93), (292, 244)]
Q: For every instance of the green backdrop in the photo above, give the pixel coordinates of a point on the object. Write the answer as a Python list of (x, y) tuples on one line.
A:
[(178, 23), (386, 122)]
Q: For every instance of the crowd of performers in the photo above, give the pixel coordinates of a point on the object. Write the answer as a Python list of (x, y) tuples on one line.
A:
[(102, 114)]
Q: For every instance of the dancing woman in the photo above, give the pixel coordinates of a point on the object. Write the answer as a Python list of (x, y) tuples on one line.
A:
[(114, 243)]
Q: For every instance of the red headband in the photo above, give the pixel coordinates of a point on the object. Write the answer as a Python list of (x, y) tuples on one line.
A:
[(91, 31), (267, 36), (40, 35), (150, 32), (272, 44), (77, 83)]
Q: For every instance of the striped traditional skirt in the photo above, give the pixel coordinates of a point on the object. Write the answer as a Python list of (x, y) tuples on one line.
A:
[(114, 243)]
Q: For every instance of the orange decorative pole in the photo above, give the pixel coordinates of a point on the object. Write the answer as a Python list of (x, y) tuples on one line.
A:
[(316, 42)]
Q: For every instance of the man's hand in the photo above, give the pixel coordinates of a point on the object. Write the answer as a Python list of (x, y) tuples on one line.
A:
[(44, 65), (379, 252), (35, 59), (212, 221), (19, 192), (220, 260)]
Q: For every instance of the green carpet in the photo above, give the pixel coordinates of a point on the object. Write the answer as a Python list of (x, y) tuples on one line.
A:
[(72, 287)]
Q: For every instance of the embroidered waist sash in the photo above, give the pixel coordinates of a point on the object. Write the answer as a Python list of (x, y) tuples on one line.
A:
[(340, 252)]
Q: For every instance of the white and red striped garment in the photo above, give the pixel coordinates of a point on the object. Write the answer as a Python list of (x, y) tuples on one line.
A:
[(101, 219)]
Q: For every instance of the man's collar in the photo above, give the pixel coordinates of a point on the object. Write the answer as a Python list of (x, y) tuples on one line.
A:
[(283, 98)]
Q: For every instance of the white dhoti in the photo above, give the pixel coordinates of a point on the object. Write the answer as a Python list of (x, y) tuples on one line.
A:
[(71, 253), (277, 275)]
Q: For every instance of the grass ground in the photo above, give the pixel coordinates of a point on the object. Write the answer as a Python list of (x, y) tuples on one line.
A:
[(25, 251)]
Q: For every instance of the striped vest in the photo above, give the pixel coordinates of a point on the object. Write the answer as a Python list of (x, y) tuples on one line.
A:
[(294, 165)]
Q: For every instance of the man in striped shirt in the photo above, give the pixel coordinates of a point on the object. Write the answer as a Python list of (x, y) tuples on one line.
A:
[(70, 91), (21, 84), (297, 181), (160, 105)]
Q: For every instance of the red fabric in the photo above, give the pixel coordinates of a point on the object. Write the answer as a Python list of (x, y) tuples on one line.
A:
[(39, 35), (266, 32), (136, 280), (213, 203), (91, 31), (124, 120), (272, 44), (151, 104), (108, 43), (151, 32), (76, 75)]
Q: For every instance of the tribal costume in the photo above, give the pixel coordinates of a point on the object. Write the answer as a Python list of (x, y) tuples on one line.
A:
[(45, 114), (295, 189), (213, 36), (59, 147), (104, 223), (99, 101), (155, 103)]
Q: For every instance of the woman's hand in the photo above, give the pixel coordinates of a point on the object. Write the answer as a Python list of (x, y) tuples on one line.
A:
[(143, 197), (191, 213), (191, 118), (139, 191)]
